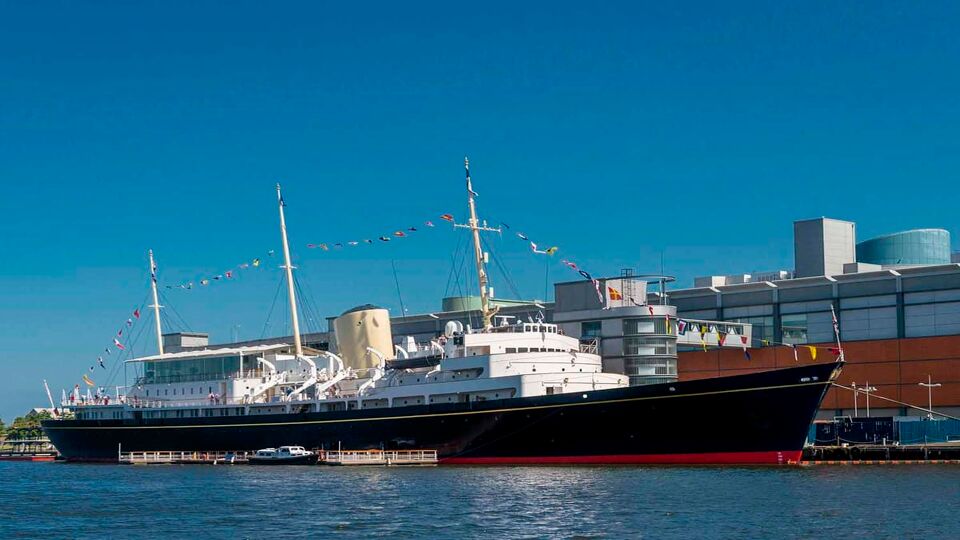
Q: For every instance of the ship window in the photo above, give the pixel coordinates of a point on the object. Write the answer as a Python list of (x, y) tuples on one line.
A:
[(522, 349), (511, 350)]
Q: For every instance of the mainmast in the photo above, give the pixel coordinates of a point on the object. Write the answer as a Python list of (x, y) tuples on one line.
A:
[(298, 347), (479, 256), (156, 302)]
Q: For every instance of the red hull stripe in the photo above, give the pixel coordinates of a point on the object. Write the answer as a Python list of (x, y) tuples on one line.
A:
[(713, 458), (27, 458)]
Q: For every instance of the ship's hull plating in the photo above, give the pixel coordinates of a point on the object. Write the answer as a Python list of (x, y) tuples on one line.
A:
[(756, 418)]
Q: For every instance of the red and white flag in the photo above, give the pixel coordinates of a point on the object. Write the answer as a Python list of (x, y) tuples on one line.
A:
[(136, 313), (118, 344)]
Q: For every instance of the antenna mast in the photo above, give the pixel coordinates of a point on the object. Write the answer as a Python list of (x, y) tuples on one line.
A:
[(156, 302), (480, 257), (298, 347)]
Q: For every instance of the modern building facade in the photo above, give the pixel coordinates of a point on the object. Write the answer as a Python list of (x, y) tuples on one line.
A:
[(907, 248), (823, 245)]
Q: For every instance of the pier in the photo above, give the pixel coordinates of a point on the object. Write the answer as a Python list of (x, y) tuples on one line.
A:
[(379, 457), (936, 453), (335, 457), (182, 458)]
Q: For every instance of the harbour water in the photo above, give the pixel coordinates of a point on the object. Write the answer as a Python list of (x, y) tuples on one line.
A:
[(54, 500)]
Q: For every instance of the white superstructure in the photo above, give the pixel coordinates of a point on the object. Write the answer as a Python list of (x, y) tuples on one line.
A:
[(498, 361)]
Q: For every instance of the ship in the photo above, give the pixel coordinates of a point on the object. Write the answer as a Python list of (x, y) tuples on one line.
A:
[(506, 392)]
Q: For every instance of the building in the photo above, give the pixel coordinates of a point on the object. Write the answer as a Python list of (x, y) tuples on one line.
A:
[(908, 248), (898, 327), (823, 245)]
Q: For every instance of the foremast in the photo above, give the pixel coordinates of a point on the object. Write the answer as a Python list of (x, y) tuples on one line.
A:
[(295, 321), (156, 302), (480, 258)]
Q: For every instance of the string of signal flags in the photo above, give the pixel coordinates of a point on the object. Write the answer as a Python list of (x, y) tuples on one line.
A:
[(224, 276), (118, 344), (683, 326), (535, 248)]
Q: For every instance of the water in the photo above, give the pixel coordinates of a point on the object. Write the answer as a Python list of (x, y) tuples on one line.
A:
[(53, 500)]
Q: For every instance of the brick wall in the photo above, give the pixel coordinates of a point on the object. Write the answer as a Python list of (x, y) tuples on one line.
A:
[(893, 366)]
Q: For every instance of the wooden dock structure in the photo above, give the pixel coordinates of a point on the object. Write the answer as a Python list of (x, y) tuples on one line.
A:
[(182, 458), (379, 457)]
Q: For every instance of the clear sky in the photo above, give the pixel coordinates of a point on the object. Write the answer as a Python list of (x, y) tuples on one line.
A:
[(618, 132)]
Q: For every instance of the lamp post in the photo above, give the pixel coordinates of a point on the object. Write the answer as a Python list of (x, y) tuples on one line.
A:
[(856, 413), (866, 390), (930, 385)]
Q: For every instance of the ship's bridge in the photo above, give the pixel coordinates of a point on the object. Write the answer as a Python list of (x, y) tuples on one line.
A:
[(535, 327)]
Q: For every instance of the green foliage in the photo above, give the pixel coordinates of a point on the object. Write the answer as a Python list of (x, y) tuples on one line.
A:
[(27, 426)]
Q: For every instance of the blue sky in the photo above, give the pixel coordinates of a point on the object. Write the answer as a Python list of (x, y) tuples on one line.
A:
[(615, 131)]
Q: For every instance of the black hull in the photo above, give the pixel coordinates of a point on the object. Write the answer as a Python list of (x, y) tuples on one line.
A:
[(756, 418)]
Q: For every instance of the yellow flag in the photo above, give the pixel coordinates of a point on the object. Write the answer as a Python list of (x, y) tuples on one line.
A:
[(813, 352), (764, 342), (552, 250), (256, 262), (87, 380)]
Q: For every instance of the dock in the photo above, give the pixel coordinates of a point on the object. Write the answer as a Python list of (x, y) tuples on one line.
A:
[(183, 458), (382, 458), (873, 454), (379, 457)]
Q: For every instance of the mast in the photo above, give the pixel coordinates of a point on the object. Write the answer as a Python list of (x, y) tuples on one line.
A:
[(156, 302), (298, 347), (479, 256)]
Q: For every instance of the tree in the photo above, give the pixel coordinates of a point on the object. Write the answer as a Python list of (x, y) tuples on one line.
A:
[(28, 425)]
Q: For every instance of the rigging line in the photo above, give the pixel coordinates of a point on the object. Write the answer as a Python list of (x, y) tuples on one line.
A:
[(905, 404), (506, 276), (170, 322), (303, 305), (318, 316), (462, 272), (174, 311), (273, 304), (457, 264), (306, 306), (403, 310), (453, 264), (131, 343), (127, 340), (310, 307)]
